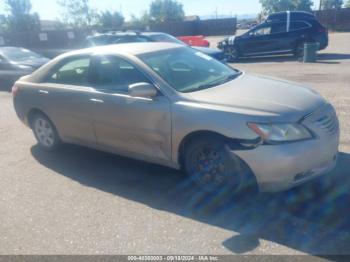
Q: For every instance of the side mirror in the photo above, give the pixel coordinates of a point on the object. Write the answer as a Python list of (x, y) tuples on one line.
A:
[(143, 90)]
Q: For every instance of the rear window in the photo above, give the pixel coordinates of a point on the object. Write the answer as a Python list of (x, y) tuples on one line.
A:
[(279, 28)]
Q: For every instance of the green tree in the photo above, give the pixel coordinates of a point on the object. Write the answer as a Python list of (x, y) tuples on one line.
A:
[(77, 13), (109, 19), (20, 17), (347, 5), (272, 6), (3, 23), (140, 23), (166, 10), (331, 4)]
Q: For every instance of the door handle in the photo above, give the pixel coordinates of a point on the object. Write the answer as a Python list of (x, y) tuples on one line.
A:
[(43, 92), (96, 100)]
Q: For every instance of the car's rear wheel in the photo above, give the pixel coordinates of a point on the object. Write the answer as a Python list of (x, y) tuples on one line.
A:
[(45, 132), (231, 54), (213, 167)]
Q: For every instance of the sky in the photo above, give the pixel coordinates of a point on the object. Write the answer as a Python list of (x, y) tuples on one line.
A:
[(48, 9)]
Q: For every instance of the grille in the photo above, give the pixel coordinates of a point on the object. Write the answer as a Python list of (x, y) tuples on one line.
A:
[(328, 122)]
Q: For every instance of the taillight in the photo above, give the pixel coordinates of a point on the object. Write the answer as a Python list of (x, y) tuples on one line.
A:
[(15, 90)]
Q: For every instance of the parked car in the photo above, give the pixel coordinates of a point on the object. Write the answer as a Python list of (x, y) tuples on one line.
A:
[(16, 62), (169, 104), (132, 36), (281, 33), (197, 40)]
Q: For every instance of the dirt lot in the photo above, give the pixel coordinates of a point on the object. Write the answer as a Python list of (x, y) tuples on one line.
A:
[(79, 201)]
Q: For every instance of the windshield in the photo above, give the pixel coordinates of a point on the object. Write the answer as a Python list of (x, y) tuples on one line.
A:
[(18, 54), (166, 38), (187, 70)]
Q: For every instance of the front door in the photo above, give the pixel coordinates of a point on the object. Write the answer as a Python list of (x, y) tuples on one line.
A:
[(268, 38), (132, 126)]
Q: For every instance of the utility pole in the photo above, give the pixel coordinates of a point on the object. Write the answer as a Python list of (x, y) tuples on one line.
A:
[(321, 4)]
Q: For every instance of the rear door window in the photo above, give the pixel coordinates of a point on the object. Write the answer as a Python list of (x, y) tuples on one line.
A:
[(73, 72), (298, 26)]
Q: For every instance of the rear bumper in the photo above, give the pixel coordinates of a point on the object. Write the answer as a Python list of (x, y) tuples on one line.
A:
[(281, 167)]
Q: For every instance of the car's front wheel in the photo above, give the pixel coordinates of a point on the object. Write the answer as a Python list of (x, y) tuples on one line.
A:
[(231, 54), (45, 132), (213, 167)]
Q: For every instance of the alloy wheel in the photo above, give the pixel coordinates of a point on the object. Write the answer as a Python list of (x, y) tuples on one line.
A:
[(44, 132), (231, 54)]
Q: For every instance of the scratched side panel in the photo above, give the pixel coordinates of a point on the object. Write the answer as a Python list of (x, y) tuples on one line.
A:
[(134, 126)]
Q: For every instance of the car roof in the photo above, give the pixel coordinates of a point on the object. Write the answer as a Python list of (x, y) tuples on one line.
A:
[(294, 15), (9, 48), (122, 33), (128, 48), (153, 33), (5, 49)]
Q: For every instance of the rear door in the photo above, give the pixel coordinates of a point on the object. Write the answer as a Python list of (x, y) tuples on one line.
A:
[(298, 33), (280, 38), (65, 96), (132, 126)]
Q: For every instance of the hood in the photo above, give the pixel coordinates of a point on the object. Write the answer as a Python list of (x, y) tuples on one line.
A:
[(34, 63), (207, 50), (262, 96)]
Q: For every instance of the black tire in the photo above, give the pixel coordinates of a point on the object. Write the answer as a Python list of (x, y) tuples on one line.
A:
[(45, 132), (231, 54), (214, 168)]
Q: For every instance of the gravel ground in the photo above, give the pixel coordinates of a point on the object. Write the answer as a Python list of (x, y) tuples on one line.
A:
[(80, 201)]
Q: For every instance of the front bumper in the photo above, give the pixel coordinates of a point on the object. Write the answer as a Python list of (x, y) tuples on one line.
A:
[(281, 167)]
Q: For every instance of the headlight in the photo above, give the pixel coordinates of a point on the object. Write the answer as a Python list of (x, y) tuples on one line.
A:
[(279, 133)]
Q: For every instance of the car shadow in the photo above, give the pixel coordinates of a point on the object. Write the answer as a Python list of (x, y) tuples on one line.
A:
[(267, 59), (333, 56), (325, 58), (312, 218)]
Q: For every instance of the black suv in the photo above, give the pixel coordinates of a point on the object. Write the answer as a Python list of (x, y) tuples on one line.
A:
[(281, 33), (110, 38)]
